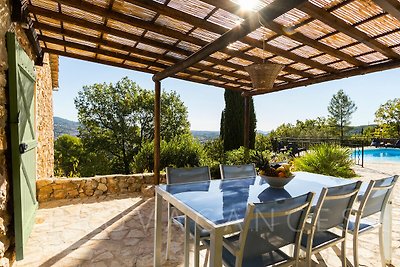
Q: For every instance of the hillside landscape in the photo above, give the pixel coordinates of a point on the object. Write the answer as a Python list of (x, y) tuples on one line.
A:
[(64, 126)]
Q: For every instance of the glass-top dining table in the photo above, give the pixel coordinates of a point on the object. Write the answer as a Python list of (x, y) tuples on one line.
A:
[(219, 206)]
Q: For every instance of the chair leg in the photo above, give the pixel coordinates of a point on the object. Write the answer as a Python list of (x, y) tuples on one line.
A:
[(381, 240), (206, 259), (308, 259), (343, 252), (355, 249)]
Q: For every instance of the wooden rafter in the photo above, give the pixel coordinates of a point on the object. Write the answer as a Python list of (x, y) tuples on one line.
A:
[(346, 74), (180, 36), (270, 12), (130, 49), (129, 36), (390, 6), (297, 36), (129, 57), (174, 31), (340, 25), (120, 65)]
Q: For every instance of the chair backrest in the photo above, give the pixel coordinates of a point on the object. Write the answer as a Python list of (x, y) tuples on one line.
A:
[(187, 175), (334, 206), (376, 196), (274, 224), (237, 171)]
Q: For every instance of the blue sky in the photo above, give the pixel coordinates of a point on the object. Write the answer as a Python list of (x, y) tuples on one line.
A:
[(205, 103)]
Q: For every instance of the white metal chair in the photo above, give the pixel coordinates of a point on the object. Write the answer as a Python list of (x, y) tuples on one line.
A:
[(186, 175), (237, 171), (374, 201), (333, 209), (267, 228)]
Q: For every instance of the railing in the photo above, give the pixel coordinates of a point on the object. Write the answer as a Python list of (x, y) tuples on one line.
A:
[(356, 144)]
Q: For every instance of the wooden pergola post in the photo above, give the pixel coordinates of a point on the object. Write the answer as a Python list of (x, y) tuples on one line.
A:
[(157, 117), (246, 133)]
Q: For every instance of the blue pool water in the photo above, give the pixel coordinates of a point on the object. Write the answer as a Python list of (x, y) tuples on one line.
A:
[(382, 154)]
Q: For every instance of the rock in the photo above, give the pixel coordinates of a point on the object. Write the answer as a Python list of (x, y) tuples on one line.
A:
[(72, 193), (46, 190), (98, 193), (89, 192), (147, 190), (59, 194), (43, 197), (43, 182), (102, 187)]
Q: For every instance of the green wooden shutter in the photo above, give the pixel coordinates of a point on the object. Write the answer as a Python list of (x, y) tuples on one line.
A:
[(21, 85)]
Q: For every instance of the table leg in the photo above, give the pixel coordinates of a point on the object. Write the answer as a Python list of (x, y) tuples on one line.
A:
[(196, 245), (187, 241), (157, 230), (216, 244), (385, 239)]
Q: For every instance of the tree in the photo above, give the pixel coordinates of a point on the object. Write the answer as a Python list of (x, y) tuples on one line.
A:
[(341, 107), (72, 160), (232, 121), (388, 115), (116, 119), (68, 152)]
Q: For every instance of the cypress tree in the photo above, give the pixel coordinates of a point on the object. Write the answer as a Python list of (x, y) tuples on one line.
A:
[(232, 121)]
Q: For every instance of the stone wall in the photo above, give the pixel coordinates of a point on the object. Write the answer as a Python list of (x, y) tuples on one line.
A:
[(65, 188), (7, 254), (44, 120)]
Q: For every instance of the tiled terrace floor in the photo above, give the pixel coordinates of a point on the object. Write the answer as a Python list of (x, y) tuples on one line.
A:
[(119, 232)]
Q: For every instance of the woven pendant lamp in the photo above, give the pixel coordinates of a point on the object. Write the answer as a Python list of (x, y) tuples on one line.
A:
[(263, 75)]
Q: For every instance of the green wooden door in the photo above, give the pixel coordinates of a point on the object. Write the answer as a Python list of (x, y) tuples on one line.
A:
[(21, 84)]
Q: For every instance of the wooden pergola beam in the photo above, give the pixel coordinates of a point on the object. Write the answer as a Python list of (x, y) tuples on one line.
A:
[(392, 64), (297, 36), (340, 25), (270, 12), (178, 35), (134, 59), (198, 22), (390, 6), (124, 66), (147, 41), (135, 50), (277, 28)]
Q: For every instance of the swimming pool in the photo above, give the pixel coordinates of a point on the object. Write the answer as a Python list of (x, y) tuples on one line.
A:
[(382, 155)]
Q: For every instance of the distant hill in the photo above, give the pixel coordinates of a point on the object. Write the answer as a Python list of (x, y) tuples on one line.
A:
[(358, 129), (204, 136), (64, 126)]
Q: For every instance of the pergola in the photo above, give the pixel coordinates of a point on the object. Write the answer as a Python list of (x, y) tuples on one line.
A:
[(211, 41)]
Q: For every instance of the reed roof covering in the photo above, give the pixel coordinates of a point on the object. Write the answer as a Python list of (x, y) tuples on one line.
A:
[(318, 40)]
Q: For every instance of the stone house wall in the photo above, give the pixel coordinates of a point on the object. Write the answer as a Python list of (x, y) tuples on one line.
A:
[(44, 128), (67, 188), (7, 254), (44, 120)]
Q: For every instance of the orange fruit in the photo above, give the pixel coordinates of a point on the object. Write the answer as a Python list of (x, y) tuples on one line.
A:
[(281, 174)]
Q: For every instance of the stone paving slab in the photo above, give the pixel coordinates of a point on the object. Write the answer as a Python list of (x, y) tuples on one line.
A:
[(118, 231)]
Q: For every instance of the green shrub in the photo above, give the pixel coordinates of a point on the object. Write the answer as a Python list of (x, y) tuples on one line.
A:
[(326, 159), (263, 142), (182, 151), (237, 156), (213, 155)]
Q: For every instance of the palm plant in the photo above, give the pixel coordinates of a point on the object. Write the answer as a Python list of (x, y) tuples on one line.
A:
[(326, 159)]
